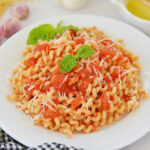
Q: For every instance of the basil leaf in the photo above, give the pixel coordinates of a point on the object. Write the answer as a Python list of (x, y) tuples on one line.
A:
[(73, 28), (42, 32), (84, 52), (60, 29), (67, 63)]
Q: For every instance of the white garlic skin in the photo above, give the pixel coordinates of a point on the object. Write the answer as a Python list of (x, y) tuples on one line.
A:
[(11, 26), (19, 10)]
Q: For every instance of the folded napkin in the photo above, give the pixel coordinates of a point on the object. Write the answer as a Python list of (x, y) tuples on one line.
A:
[(8, 143)]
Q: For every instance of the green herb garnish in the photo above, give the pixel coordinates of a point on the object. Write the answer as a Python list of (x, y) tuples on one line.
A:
[(60, 29), (85, 52), (69, 61), (47, 32), (42, 32)]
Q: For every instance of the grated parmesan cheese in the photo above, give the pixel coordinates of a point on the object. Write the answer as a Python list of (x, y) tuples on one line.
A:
[(95, 70), (45, 104), (90, 61), (64, 80), (102, 61), (31, 87), (127, 71)]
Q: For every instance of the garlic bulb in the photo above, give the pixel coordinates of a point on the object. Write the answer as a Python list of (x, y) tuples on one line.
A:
[(12, 26), (19, 10), (71, 4)]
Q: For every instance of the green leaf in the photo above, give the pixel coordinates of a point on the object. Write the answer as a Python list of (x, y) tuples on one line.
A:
[(67, 63), (60, 29), (73, 28), (84, 52), (42, 32)]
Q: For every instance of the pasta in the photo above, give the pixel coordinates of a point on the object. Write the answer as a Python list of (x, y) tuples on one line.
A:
[(98, 91)]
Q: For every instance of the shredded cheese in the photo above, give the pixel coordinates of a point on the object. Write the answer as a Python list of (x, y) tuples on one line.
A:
[(95, 70), (67, 110), (85, 105), (23, 89), (110, 78), (127, 71), (33, 100), (81, 64), (51, 102), (121, 101), (64, 80), (111, 45), (45, 104), (90, 61), (102, 61), (31, 87)]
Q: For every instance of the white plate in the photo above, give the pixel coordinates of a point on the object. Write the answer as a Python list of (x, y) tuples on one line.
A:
[(117, 135)]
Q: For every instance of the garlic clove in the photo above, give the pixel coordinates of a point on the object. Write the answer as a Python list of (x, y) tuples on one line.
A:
[(19, 10), (2, 33), (12, 26), (73, 4)]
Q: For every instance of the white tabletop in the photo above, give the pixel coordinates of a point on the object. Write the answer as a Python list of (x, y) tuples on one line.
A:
[(43, 9)]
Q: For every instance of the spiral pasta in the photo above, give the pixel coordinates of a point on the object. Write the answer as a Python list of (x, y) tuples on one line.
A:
[(98, 91)]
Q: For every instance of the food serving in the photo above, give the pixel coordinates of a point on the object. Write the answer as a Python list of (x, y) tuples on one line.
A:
[(75, 80)]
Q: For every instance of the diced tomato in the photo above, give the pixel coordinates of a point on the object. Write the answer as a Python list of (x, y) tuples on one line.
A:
[(120, 57), (59, 81), (34, 85), (96, 65), (116, 73), (110, 87), (79, 41), (68, 89), (49, 113), (56, 101), (107, 42), (104, 99), (107, 79), (86, 75), (52, 113), (30, 62), (107, 51), (83, 73), (42, 47), (111, 98), (73, 33), (76, 102), (58, 36), (46, 88), (84, 86), (90, 79)]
